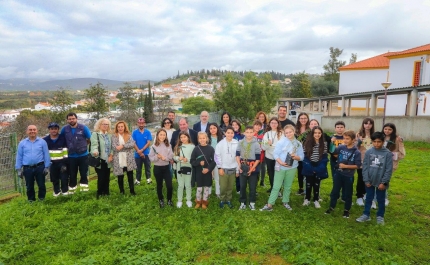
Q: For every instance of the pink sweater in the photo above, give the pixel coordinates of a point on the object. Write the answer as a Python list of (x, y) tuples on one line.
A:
[(163, 150)]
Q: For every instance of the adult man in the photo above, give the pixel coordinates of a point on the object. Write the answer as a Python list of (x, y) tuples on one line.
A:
[(171, 115), (77, 137), (57, 147), (32, 163), (183, 126), (143, 139), (202, 125), (282, 117)]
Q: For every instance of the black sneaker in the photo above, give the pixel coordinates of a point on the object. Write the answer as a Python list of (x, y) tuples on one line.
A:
[(329, 211), (170, 203), (269, 191), (345, 214), (161, 203), (300, 192)]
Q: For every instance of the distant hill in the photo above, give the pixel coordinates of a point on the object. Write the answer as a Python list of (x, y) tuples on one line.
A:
[(24, 84)]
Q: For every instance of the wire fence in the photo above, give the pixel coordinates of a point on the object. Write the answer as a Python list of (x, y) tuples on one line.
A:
[(8, 181)]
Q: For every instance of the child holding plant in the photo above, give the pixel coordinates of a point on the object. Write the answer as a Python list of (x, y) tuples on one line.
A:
[(183, 150), (202, 158)]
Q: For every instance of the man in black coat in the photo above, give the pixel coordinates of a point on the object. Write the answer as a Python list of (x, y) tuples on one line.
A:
[(203, 124), (183, 126)]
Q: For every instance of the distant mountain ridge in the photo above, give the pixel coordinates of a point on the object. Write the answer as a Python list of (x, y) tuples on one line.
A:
[(28, 84)]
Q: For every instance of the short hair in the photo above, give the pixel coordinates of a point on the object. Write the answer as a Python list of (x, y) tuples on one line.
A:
[(350, 134), (171, 111), (257, 122), (184, 118), (339, 123), (378, 136), (71, 114), (249, 127), (167, 119), (229, 128), (282, 106)]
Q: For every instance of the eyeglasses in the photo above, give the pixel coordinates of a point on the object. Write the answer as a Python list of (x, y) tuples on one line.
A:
[(105, 124), (167, 123)]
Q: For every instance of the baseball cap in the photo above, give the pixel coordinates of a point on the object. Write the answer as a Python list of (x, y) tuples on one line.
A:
[(53, 124), (141, 120)]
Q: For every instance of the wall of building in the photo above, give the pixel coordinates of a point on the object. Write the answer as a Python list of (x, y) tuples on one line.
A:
[(410, 128), (355, 81)]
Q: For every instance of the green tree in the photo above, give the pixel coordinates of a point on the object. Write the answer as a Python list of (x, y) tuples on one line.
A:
[(62, 99), (301, 86), (97, 100), (353, 58), (331, 69), (195, 105), (127, 103), (253, 94), (321, 87)]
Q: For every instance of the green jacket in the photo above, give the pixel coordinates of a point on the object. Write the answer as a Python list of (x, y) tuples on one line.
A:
[(94, 146)]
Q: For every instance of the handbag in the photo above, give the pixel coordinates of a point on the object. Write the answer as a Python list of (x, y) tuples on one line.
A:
[(185, 171), (95, 161)]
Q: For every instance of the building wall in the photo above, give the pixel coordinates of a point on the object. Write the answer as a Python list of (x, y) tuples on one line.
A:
[(355, 81), (402, 70)]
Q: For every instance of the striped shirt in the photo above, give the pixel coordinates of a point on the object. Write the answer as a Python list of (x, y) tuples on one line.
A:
[(315, 157)]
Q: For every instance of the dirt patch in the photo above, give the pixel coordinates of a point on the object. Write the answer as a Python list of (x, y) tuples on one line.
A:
[(253, 258), (7, 198), (398, 197), (425, 216)]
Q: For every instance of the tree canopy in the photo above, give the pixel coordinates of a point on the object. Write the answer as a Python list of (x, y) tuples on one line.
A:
[(331, 69), (301, 86), (97, 100), (195, 105)]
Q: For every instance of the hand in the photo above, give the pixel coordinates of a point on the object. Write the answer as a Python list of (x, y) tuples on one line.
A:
[(95, 154), (205, 170), (119, 147), (202, 163), (63, 169), (333, 139), (341, 165), (269, 142), (295, 157), (185, 159), (46, 171), (252, 169), (221, 172), (20, 173), (110, 158), (142, 155), (140, 152), (368, 185), (381, 187)]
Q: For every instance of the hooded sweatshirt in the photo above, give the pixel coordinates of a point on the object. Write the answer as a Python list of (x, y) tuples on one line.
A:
[(225, 154), (249, 151), (377, 166)]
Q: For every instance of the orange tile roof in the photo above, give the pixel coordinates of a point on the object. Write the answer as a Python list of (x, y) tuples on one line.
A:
[(378, 62), (419, 49)]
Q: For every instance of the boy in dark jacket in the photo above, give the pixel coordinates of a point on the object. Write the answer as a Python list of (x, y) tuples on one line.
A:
[(377, 170)]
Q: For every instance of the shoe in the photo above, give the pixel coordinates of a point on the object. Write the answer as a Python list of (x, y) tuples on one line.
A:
[(266, 208), (84, 187), (345, 214), (387, 202), (269, 191), (279, 195), (287, 206), (363, 218), (73, 188), (380, 220), (360, 202), (374, 205), (170, 203), (67, 193), (317, 204), (56, 194), (329, 211), (205, 204), (242, 206), (149, 181), (320, 199), (238, 192), (161, 203), (252, 206), (300, 192), (229, 205), (198, 204), (137, 182), (261, 184), (179, 204), (221, 204), (306, 202), (189, 204), (133, 193)]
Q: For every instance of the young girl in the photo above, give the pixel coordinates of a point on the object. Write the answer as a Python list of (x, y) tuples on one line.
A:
[(215, 136), (288, 149), (302, 131), (394, 143), (314, 164), (183, 150), (237, 127), (271, 137), (202, 158), (364, 143), (161, 154), (225, 158)]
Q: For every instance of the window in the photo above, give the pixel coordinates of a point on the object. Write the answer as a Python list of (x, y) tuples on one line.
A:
[(416, 76)]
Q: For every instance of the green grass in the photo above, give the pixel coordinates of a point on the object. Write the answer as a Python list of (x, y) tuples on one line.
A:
[(134, 230)]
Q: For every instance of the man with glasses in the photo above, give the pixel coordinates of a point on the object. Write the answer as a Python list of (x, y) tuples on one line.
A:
[(77, 138), (142, 138), (202, 125)]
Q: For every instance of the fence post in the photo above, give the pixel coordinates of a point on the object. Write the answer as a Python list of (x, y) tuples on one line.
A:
[(13, 147)]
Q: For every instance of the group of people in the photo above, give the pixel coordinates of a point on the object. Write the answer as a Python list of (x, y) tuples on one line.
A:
[(220, 155)]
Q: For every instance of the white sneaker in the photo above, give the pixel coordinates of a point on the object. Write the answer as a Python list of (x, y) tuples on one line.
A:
[(360, 202), (374, 205), (137, 182), (84, 187), (387, 202), (149, 181), (179, 204), (306, 202), (238, 192), (279, 195), (317, 204), (189, 204), (242, 206), (73, 188), (252, 206), (287, 206), (56, 194), (67, 193)]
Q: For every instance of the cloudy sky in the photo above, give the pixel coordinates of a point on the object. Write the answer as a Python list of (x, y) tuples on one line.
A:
[(153, 39)]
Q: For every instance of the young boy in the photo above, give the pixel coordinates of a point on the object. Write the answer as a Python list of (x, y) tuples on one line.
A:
[(349, 159), (377, 170), (259, 134), (336, 140), (248, 157)]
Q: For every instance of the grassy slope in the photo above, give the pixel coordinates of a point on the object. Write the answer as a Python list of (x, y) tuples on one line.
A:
[(133, 230)]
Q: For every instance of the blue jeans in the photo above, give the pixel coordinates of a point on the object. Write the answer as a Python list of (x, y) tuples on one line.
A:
[(380, 197), (32, 174), (346, 184), (75, 164), (333, 171), (143, 161)]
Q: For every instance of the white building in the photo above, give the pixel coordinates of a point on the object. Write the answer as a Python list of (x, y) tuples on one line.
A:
[(403, 69), (42, 105), (9, 115)]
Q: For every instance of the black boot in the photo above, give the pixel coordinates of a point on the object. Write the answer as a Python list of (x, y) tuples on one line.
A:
[(130, 182), (161, 203), (121, 184)]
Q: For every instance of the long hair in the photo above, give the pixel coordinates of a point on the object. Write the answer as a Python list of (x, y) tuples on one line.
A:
[(257, 117), (157, 141), (219, 135), (299, 125), (238, 123), (179, 142), (127, 133), (278, 129), (310, 143), (167, 119), (229, 118), (392, 145), (362, 132), (99, 123)]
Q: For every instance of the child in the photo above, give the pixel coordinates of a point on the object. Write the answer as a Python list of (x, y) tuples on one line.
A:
[(287, 150), (202, 158), (259, 134), (248, 157), (161, 154), (336, 140), (314, 164), (215, 136), (225, 158), (349, 159), (377, 170), (302, 131), (237, 127), (183, 150), (364, 143)]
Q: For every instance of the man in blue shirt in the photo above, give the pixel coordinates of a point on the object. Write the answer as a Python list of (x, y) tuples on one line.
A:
[(77, 138), (32, 163), (143, 139)]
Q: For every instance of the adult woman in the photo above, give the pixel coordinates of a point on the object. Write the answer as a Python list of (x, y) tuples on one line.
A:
[(271, 137), (102, 135), (123, 156), (364, 143), (167, 125), (262, 117), (302, 130), (225, 121)]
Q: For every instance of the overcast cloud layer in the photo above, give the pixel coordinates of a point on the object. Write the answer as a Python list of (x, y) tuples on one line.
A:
[(131, 40)]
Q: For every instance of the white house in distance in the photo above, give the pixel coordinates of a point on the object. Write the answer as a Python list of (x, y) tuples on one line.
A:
[(406, 68)]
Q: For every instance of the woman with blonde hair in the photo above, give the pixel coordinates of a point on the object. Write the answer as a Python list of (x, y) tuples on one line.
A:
[(100, 146), (123, 156)]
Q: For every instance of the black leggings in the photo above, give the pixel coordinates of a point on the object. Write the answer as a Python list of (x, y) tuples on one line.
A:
[(299, 175), (360, 187), (312, 182), (270, 170), (130, 181), (163, 173)]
